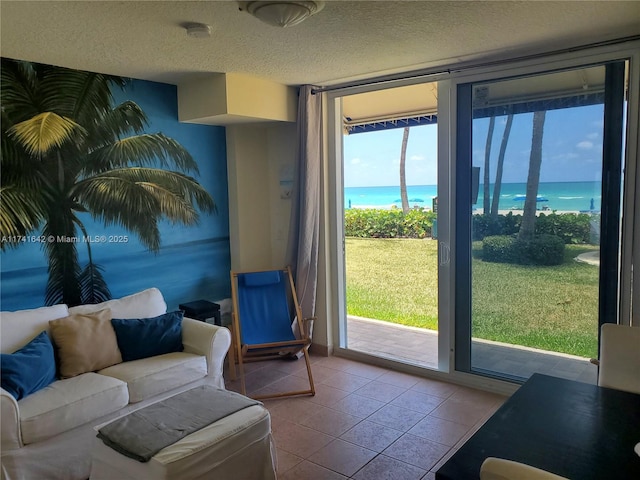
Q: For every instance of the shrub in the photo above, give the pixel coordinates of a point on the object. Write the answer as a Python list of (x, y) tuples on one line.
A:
[(498, 248), (570, 227), (374, 223), (541, 250)]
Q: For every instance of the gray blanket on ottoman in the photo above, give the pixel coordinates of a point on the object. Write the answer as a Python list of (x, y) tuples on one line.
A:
[(143, 433)]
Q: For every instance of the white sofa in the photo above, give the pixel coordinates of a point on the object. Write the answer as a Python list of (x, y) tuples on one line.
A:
[(49, 433)]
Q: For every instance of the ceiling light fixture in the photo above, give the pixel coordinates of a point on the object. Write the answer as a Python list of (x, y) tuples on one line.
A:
[(282, 13)]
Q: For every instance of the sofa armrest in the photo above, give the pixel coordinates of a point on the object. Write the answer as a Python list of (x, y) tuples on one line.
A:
[(11, 438), (209, 340)]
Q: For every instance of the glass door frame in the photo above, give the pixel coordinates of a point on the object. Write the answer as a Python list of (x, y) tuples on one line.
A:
[(460, 91), (448, 301), (335, 189)]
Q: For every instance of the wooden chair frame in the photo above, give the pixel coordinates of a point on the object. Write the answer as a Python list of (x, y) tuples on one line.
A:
[(267, 351)]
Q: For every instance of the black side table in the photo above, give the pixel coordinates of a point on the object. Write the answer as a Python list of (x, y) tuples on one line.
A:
[(202, 310)]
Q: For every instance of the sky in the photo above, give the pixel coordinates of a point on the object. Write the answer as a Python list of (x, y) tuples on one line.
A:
[(571, 150)]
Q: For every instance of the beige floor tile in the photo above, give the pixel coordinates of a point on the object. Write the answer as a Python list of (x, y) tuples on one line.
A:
[(299, 440), (261, 378), (358, 405), (345, 381), (435, 387), (396, 417), (286, 384), (399, 379), (477, 397), (327, 396), (295, 410), (387, 468), (286, 461), (439, 430), (416, 401), (416, 451), (331, 422), (310, 471), (336, 363), (371, 435), (342, 457), (368, 371), (383, 392), (464, 412), (319, 372)]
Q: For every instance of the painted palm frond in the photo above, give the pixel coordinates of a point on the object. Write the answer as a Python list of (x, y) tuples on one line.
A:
[(175, 183), (77, 94), (150, 149), (20, 215), (138, 197), (124, 120), (93, 287), (18, 95), (45, 131)]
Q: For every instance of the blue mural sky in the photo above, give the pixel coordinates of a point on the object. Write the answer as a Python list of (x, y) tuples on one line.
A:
[(193, 261)]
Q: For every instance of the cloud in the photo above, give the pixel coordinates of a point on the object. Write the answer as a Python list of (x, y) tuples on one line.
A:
[(593, 135), (585, 145), (564, 156), (355, 161), (416, 157)]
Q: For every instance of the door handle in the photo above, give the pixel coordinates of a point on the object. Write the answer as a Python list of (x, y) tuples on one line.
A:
[(444, 253)]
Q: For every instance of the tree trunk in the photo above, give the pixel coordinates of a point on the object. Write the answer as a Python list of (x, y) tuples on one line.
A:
[(487, 158), (497, 187), (527, 228), (403, 177)]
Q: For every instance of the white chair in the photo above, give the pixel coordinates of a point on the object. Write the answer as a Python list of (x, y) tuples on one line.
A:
[(499, 469), (619, 357)]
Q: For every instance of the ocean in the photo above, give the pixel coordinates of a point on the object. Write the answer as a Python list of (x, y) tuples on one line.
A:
[(560, 196)]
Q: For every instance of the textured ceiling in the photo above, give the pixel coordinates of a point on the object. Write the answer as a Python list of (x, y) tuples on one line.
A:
[(346, 40)]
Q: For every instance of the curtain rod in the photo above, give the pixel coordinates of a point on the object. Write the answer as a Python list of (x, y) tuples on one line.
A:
[(462, 66)]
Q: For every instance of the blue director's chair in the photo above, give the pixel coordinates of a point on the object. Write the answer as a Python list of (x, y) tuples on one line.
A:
[(262, 322)]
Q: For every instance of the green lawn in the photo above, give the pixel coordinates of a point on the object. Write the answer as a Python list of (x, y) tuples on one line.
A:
[(552, 308)]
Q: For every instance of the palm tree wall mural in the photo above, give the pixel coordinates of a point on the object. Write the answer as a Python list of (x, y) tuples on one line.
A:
[(69, 152)]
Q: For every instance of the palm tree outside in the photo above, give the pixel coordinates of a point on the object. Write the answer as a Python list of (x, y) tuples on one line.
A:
[(527, 227), (487, 157), (497, 187), (68, 150), (403, 177)]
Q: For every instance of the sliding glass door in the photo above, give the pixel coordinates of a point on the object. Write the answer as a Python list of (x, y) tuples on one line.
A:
[(538, 202)]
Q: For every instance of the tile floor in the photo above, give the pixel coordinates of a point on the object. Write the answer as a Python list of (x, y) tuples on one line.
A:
[(365, 422)]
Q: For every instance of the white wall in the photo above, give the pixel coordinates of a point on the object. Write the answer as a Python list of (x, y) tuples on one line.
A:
[(258, 217)]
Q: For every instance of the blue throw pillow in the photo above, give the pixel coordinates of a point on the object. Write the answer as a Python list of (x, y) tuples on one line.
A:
[(146, 337), (29, 369)]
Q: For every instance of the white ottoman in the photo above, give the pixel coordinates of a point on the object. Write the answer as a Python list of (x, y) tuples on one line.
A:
[(237, 447)]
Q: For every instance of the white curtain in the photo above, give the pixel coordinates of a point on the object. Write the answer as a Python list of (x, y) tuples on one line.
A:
[(302, 248)]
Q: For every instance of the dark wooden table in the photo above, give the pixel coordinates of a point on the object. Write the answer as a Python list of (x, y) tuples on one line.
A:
[(573, 429)]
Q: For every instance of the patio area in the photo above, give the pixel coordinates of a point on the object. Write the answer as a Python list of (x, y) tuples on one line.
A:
[(419, 346)]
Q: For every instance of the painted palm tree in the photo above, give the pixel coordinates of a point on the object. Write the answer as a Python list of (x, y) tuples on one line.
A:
[(67, 150)]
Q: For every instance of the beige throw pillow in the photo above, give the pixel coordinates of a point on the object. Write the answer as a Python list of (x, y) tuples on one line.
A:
[(85, 342)]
